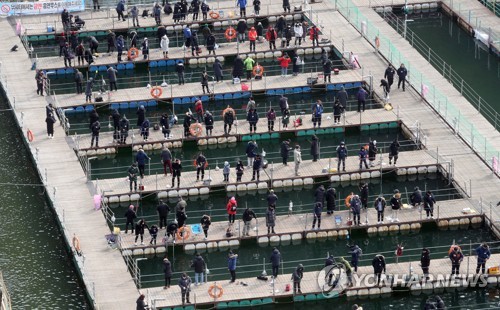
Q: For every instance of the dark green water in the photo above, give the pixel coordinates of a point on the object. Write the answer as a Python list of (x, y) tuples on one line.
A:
[(456, 47), (36, 267), (302, 198)]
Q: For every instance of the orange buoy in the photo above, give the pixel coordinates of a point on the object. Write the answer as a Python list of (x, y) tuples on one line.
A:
[(258, 70), (215, 291), (214, 15), (133, 53), (186, 233), (156, 92), (196, 129), (30, 135), (348, 200), (195, 165), (230, 33)]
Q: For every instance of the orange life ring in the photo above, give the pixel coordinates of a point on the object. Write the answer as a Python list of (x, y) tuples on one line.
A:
[(196, 129), (227, 110), (377, 42), (348, 200), (230, 33), (133, 53), (156, 92), (258, 70), (186, 233), (194, 163), (30, 135), (214, 15), (215, 288), (452, 247)]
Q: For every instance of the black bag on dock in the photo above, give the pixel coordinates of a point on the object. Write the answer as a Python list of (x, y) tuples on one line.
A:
[(145, 13), (98, 99)]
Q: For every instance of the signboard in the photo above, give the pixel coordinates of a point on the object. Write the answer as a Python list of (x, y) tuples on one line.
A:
[(40, 7)]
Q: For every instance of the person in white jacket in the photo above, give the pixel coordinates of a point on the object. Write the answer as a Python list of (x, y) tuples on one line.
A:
[(297, 157), (164, 45), (298, 31)]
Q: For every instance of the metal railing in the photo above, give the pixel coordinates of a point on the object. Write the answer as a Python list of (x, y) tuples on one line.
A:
[(492, 5), (440, 102), (5, 302)]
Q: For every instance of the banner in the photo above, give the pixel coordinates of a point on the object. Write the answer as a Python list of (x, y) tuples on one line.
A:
[(41, 7)]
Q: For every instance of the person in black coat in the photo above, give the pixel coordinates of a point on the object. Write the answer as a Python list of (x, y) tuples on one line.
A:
[(402, 73), (179, 68), (425, 262), (257, 164), (217, 66), (176, 172), (363, 188), (140, 227), (275, 262), (378, 264), (429, 202), (385, 86), (96, 129), (50, 120), (286, 6), (211, 41), (330, 195), (130, 215), (252, 118), (209, 122), (238, 67), (315, 148), (319, 195), (389, 75), (188, 119), (228, 121), (167, 271), (285, 151), (416, 197), (141, 115), (93, 117), (163, 209), (241, 28)]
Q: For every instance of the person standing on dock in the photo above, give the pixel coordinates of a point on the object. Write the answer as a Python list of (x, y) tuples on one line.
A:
[(239, 170), (338, 109), (167, 271), (252, 118), (231, 207), (378, 264), (188, 119), (456, 258), (157, 13), (355, 204), (285, 119), (80, 52), (185, 285), (319, 195), (217, 67), (362, 154), (181, 218), (145, 48), (275, 262), (271, 36), (141, 157), (68, 55), (283, 104), (385, 86), (134, 12), (241, 28), (179, 68), (153, 232), (318, 209), (380, 207), (96, 129), (483, 254), (198, 264), (164, 45), (40, 82), (256, 7), (248, 215), (231, 265), (201, 163), (270, 220), (315, 148), (363, 194), (425, 262), (141, 115), (389, 75), (205, 8), (249, 64), (330, 196), (205, 223), (297, 158), (272, 199), (341, 155), (402, 73), (228, 120), (165, 126), (176, 172), (251, 151), (416, 197), (141, 304), (209, 123), (285, 151), (130, 215), (50, 120), (395, 205), (271, 118), (429, 202), (327, 71), (163, 209), (314, 35), (93, 45), (111, 38), (372, 152), (284, 61), (243, 7), (120, 8), (112, 78), (356, 253), (394, 151), (78, 82), (298, 32), (226, 170), (171, 231), (361, 96), (297, 276), (317, 113), (252, 37), (124, 127), (140, 226), (133, 171)]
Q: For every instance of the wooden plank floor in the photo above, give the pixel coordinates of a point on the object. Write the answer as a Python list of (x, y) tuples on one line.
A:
[(300, 223), (308, 169), (112, 283), (254, 289), (352, 119)]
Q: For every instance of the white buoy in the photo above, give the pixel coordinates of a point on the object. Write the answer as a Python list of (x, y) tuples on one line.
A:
[(262, 185), (263, 241), (231, 188), (298, 182), (308, 181), (183, 192), (223, 244), (101, 152), (138, 252), (233, 244), (124, 198), (335, 178), (204, 191), (345, 177), (285, 239), (135, 197), (287, 183), (251, 186), (114, 199), (355, 176), (173, 193)]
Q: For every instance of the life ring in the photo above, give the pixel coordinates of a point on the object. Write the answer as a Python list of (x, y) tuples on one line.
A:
[(156, 92), (133, 53), (186, 233), (196, 129), (454, 246), (230, 33), (30, 135), (215, 287), (377, 42), (227, 110), (214, 15), (258, 70), (194, 164), (348, 200)]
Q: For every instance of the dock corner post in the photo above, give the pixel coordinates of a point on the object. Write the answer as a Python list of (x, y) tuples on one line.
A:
[(239, 229)]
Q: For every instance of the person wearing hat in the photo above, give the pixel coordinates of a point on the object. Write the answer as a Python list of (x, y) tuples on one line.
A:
[(188, 119), (141, 304), (395, 205), (133, 171), (167, 271), (380, 207), (205, 222), (252, 37), (176, 172), (425, 262), (378, 264), (341, 156), (163, 209), (145, 48), (356, 209), (456, 258), (231, 207), (51, 120), (297, 276), (251, 151), (185, 286), (348, 270), (231, 265), (201, 162), (372, 152), (179, 68), (226, 170), (130, 215), (318, 209), (297, 158), (209, 122), (171, 230), (394, 151), (285, 151), (248, 215), (141, 158), (272, 199), (483, 254), (429, 202), (363, 154), (416, 197), (363, 194)]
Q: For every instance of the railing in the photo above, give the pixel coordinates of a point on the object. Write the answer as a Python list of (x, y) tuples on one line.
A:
[(492, 5), (452, 115), (63, 120), (5, 302), (445, 69)]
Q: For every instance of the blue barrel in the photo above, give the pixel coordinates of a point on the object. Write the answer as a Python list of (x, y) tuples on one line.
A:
[(228, 96), (170, 62), (102, 68), (79, 109), (348, 86), (204, 98), (219, 97), (153, 64), (289, 91), (306, 89), (176, 101), (152, 103), (186, 100), (129, 66), (162, 63), (270, 92), (93, 68), (133, 105), (357, 84), (61, 71), (280, 92), (297, 90), (89, 108), (114, 106), (120, 67), (70, 71), (330, 87), (124, 105), (143, 103)]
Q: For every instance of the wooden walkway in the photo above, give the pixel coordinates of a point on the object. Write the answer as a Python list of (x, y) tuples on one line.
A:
[(250, 288), (157, 141), (274, 173), (300, 224), (66, 185)]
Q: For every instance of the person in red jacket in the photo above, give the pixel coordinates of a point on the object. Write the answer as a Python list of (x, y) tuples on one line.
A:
[(252, 37), (314, 35), (284, 62), (198, 108), (271, 36), (231, 210)]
